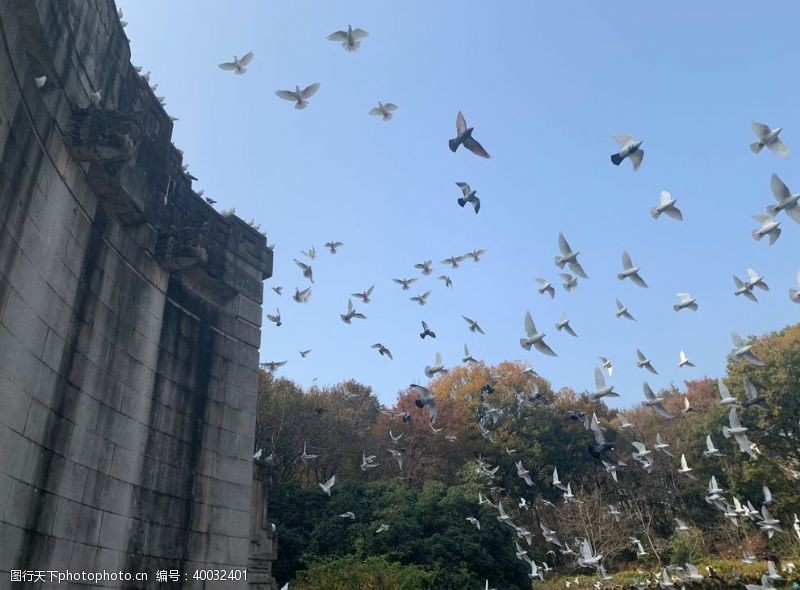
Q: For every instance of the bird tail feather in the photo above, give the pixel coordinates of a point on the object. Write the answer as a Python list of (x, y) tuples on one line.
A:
[(756, 236), (453, 143), (655, 212), (616, 159), (525, 344), (772, 209), (756, 147), (726, 432), (461, 201), (676, 307), (621, 277), (560, 262)]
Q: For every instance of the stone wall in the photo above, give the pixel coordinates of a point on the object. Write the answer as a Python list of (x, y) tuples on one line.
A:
[(130, 316)]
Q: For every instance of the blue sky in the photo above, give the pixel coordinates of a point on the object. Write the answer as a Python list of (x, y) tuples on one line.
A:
[(546, 85)]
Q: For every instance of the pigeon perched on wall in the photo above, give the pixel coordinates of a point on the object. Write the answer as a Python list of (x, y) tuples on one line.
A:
[(629, 148), (238, 65), (464, 136), (299, 97), (350, 39), (768, 138)]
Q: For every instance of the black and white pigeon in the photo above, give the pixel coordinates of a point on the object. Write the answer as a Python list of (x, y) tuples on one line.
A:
[(629, 148), (426, 331), (382, 350), (464, 136), (425, 399), (469, 196), (276, 319)]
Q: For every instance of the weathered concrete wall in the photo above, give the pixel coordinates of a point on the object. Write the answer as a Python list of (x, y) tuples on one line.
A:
[(130, 316)]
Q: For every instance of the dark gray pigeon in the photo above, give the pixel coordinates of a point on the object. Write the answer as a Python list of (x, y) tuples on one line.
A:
[(464, 136)]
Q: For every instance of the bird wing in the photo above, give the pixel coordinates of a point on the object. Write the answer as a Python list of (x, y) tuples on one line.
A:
[(598, 434), (684, 464), (622, 139), (640, 355), (724, 392), (664, 198), (627, 263), (389, 106), (648, 391), (636, 159), (563, 245), (673, 213), (749, 389), (733, 419), (359, 34), (759, 128), (779, 190), (599, 379), (227, 66), (286, 95), (661, 410), (375, 111), (476, 148), (544, 348), (461, 124), (309, 90), (777, 147), (530, 327), (438, 359), (737, 340), (338, 36), (639, 281)]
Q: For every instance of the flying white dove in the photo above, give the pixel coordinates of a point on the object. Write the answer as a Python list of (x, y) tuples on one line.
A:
[(350, 39), (603, 390), (769, 227), (685, 469), (276, 319), (570, 282), (468, 358), (768, 138), (606, 364), (629, 148), (786, 201), (629, 271), (743, 288), (384, 110), (686, 302), (326, 487), (654, 402), (662, 446), (299, 97), (425, 267), (438, 367), (307, 270), (683, 360), (622, 311), (239, 64), (644, 363), (666, 205), (711, 450), (534, 338), (568, 257), (744, 351), (563, 324), (725, 397), (546, 287)]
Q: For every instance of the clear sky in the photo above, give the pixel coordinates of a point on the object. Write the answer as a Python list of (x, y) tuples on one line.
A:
[(546, 85)]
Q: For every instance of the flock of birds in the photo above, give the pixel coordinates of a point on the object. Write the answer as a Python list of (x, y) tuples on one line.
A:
[(489, 415)]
